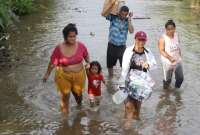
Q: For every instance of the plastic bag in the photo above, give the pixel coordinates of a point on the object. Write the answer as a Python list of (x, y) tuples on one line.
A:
[(141, 78), (151, 60), (139, 85), (120, 95)]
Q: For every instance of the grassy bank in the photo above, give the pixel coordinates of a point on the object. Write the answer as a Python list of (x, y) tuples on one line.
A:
[(11, 9)]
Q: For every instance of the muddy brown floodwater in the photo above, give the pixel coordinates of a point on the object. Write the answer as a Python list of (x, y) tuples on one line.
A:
[(27, 106)]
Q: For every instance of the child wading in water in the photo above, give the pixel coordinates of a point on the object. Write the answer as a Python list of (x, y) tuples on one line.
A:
[(95, 78)]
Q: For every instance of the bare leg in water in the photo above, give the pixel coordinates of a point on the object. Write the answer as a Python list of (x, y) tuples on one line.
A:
[(138, 108), (78, 98), (110, 72), (132, 109), (64, 103)]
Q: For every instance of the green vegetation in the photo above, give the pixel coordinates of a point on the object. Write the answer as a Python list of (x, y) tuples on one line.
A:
[(5, 14), (10, 9), (22, 7)]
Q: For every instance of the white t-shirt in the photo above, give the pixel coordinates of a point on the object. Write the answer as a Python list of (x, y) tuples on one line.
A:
[(172, 48), (127, 58)]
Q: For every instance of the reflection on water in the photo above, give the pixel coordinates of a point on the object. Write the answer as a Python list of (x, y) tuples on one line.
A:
[(83, 122), (28, 106), (166, 111)]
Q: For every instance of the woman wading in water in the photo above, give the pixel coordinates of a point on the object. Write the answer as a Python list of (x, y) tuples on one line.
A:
[(67, 58)]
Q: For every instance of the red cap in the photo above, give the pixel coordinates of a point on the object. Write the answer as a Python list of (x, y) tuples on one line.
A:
[(141, 35)]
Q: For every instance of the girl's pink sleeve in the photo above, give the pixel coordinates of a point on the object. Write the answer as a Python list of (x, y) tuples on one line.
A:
[(55, 56)]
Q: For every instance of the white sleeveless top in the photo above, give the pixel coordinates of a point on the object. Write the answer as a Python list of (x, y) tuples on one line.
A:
[(172, 48)]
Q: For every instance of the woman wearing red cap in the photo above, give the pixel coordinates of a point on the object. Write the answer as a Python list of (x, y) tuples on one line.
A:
[(136, 58)]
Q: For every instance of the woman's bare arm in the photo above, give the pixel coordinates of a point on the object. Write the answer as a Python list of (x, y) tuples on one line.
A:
[(87, 66), (161, 46), (130, 25), (48, 72)]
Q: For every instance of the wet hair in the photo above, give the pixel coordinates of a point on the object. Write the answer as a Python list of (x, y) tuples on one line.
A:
[(69, 28), (96, 63), (170, 22), (124, 9)]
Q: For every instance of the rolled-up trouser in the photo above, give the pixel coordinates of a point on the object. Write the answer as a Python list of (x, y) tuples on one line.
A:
[(168, 73)]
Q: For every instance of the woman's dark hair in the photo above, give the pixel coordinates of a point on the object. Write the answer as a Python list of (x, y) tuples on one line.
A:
[(69, 28), (96, 63), (124, 9), (170, 22)]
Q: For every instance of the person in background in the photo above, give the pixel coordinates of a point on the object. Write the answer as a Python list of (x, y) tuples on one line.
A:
[(119, 26), (169, 47)]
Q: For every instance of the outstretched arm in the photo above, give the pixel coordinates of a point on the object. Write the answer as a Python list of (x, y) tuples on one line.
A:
[(87, 59), (130, 25), (87, 66), (48, 72)]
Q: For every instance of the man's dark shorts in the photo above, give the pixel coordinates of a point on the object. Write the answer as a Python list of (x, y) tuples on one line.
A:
[(114, 53)]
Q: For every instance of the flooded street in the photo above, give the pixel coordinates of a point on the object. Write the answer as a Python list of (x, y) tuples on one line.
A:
[(27, 106)]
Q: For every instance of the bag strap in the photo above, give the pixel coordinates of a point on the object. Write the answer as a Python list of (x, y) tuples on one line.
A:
[(146, 50), (133, 56)]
